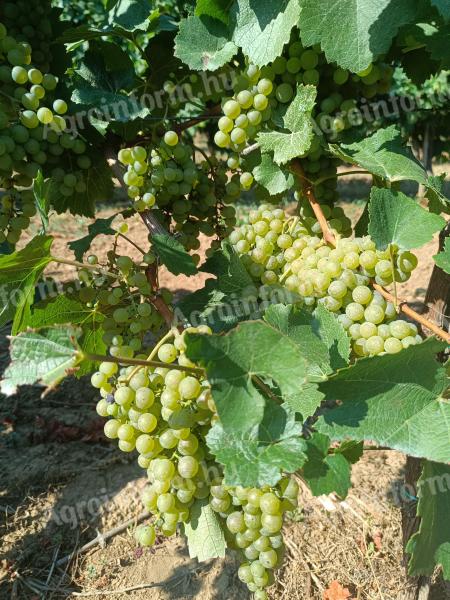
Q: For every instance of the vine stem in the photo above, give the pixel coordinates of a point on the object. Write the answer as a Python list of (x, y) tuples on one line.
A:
[(80, 265), (142, 363), (169, 335), (213, 112), (328, 236)]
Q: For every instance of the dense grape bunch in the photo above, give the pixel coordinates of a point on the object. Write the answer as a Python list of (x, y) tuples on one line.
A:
[(279, 250), (262, 95), (33, 136), (196, 196)]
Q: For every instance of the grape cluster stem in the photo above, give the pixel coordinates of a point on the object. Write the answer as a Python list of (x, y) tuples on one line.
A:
[(330, 239)]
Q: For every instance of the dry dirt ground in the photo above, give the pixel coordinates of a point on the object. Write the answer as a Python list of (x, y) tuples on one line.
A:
[(62, 485)]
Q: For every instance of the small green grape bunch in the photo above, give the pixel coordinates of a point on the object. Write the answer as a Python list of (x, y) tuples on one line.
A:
[(245, 112), (338, 222), (16, 210), (254, 517)]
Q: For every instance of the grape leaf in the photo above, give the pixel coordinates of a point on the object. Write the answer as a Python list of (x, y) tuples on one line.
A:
[(99, 227), (173, 255), (387, 399), (204, 533), (223, 301), (41, 356), (395, 218), (219, 9), (65, 309), (365, 29), (262, 28), (41, 191), (298, 121), (443, 7), (269, 175), (325, 473), (239, 365), (430, 545), (203, 43), (131, 14), (321, 338), (19, 274), (443, 258), (99, 187), (384, 154), (437, 201), (260, 455)]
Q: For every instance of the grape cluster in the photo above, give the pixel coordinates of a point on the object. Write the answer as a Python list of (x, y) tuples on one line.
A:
[(279, 250), (30, 21), (254, 517), (194, 197), (121, 296), (16, 209), (259, 94), (32, 136), (163, 413)]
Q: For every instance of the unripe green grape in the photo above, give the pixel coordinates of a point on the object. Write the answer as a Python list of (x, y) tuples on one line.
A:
[(126, 433), (29, 119), (367, 330), (147, 423), (375, 345), (260, 102), (145, 535), (231, 109), (265, 86), (98, 380), (171, 138), (362, 294), (45, 115), (354, 311), (245, 99), (222, 139), (269, 503), (309, 59), (392, 345), (144, 398), (108, 368), (374, 314), (399, 329), (238, 135), (111, 428), (124, 396), (284, 93)]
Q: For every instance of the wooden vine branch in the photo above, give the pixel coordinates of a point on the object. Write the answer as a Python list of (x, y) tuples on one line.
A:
[(212, 112), (329, 237)]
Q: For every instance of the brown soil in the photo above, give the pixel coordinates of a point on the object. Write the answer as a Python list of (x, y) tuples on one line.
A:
[(62, 484)]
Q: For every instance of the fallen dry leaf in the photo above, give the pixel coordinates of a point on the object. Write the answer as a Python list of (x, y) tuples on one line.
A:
[(335, 591)]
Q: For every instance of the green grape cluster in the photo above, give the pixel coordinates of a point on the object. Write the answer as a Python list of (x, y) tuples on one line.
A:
[(279, 250), (262, 95), (122, 298), (33, 136), (254, 517), (259, 94), (163, 413), (31, 21), (193, 198), (16, 210)]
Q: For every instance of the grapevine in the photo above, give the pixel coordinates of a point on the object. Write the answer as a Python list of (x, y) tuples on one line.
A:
[(227, 136)]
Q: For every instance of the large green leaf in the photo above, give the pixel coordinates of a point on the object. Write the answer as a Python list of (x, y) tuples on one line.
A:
[(320, 337), (41, 191), (173, 255), (443, 258), (42, 356), (99, 227), (325, 473), (383, 154), (392, 400), (298, 121), (437, 201), (205, 536), (262, 28), (395, 218), (252, 362), (353, 32), (260, 455), (219, 9), (99, 188), (131, 14), (430, 546), (19, 273), (69, 310), (272, 177), (203, 43)]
